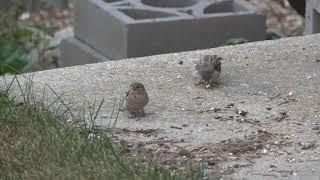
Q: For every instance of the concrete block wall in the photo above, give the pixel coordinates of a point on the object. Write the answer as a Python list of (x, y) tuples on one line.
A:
[(118, 29), (312, 17), (74, 52), (121, 29)]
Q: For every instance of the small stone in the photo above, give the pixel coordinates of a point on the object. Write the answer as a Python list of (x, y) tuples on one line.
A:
[(59, 14), (180, 62), (242, 113), (264, 151), (24, 16), (216, 109), (272, 166), (65, 13), (230, 105), (211, 163), (291, 160), (184, 152), (236, 165), (307, 146)]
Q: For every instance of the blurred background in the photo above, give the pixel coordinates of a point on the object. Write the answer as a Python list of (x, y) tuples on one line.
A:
[(31, 30)]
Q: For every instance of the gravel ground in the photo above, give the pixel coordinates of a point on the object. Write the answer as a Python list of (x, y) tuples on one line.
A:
[(281, 16)]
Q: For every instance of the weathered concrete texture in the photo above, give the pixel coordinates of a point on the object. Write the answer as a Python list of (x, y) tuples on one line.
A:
[(122, 29), (276, 82), (312, 24), (74, 52)]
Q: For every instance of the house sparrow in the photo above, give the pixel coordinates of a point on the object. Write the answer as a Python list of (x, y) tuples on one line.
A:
[(137, 98), (208, 70)]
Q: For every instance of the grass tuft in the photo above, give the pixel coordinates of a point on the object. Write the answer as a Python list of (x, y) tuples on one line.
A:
[(38, 143)]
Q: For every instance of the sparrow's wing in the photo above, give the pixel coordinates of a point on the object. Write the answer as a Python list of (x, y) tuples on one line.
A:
[(217, 67)]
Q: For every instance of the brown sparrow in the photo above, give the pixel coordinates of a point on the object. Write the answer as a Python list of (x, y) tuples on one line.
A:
[(208, 70), (137, 98)]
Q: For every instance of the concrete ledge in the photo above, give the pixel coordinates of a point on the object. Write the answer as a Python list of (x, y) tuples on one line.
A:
[(264, 79)]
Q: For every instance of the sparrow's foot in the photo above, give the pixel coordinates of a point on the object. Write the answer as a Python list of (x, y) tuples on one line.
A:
[(136, 114), (210, 84), (141, 114), (122, 109), (198, 83), (131, 115)]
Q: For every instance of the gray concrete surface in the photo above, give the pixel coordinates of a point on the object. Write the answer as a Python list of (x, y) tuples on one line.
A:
[(75, 52), (123, 29), (276, 82), (312, 24)]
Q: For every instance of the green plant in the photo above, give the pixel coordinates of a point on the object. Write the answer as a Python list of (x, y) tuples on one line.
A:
[(16, 42), (39, 142), (238, 40)]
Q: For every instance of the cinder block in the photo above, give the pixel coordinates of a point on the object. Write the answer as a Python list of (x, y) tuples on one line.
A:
[(122, 29), (312, 23), (74, 52)]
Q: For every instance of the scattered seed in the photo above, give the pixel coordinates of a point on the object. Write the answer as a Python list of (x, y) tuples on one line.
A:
[(184, 152), (308, 146), (242, 113), (175, 127), (291, 160), (211, 163), (230, 105)]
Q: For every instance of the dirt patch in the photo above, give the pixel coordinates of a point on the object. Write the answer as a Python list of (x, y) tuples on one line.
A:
[(211, 157)]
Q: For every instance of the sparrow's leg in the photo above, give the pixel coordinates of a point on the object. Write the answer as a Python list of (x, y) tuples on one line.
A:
[(212, 83), (199, 82), (131, 114), (141, 113), (207, 84)]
